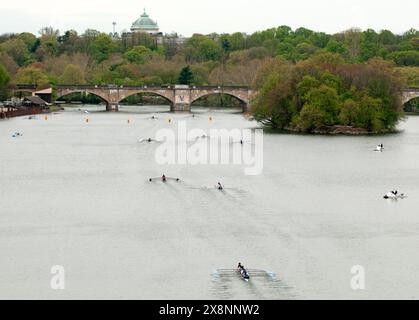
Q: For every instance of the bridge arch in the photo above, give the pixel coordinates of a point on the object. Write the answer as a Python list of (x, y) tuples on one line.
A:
[(63, 93), (242, 97), (169, 96), (412, 105), (410, 95)]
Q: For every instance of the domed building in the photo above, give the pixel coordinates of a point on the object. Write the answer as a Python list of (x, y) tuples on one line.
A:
[(145, 24)]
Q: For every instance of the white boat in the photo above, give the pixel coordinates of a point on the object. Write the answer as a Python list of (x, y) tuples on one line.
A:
[(379, 148)]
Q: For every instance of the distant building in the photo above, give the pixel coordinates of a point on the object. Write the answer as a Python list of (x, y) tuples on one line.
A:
[(145, 24), (35, 102), (45, 94), (29, 105)]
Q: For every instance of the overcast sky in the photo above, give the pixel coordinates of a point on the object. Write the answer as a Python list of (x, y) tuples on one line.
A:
[(197, 16)]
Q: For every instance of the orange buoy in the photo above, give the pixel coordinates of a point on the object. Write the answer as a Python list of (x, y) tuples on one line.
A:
[(170, 120), (46, 118)]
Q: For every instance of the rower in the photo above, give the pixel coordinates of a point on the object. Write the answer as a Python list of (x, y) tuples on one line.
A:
[(220, 187), (163, 178), (240, 266), (241, 142), (149, 140)]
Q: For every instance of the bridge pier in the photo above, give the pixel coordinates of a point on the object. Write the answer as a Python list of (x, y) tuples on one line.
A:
[(246, 107), (180, 107), (112, 107)]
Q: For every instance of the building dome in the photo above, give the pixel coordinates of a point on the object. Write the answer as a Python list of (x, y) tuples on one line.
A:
[(145, 24)]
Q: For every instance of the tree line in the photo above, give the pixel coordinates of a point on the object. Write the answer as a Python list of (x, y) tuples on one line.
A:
[(231, 59)]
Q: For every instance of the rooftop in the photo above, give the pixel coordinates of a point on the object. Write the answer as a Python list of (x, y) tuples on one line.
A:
[(144, 23)]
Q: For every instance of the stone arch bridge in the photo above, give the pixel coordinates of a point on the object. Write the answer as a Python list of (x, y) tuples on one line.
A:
[(410, 94), (180, 97)]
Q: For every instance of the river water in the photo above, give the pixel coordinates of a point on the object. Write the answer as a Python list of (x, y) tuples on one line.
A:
[(77, 195)]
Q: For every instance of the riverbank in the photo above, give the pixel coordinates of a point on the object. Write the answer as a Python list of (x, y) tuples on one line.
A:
[(332, 130), (8, 112)]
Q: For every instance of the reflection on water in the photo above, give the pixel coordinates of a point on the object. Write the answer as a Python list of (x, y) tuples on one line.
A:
[(76, 193), (263, 285)]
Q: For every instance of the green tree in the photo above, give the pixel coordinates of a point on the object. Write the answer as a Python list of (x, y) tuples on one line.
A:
[(72, 74), (237, 41), (48, 43), (101, 47), (4, 80), (70, 42), (370, 45), (305, 50), (8, 63), (30, 40), (310, 118), (326, 99), (138, 55), (324, 91), (411, 76), (274, 104), (349, 113), (335, 46), (31, 75), (17, 49), (386, 37), (186, 76), (406, 58), (201, 48)]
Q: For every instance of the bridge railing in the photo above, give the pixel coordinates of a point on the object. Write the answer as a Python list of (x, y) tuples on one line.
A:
[(220, 87), (86, 87), (168, 86)]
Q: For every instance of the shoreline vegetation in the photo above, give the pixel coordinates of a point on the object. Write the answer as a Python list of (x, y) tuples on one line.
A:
[(325, 94), (332, 131)]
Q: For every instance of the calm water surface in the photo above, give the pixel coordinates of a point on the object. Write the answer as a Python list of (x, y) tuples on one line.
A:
[(76, 194)]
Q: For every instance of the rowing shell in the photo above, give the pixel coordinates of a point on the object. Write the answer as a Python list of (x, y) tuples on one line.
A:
[(146, 140), (244, 274), (402, 196), (160, 179)]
